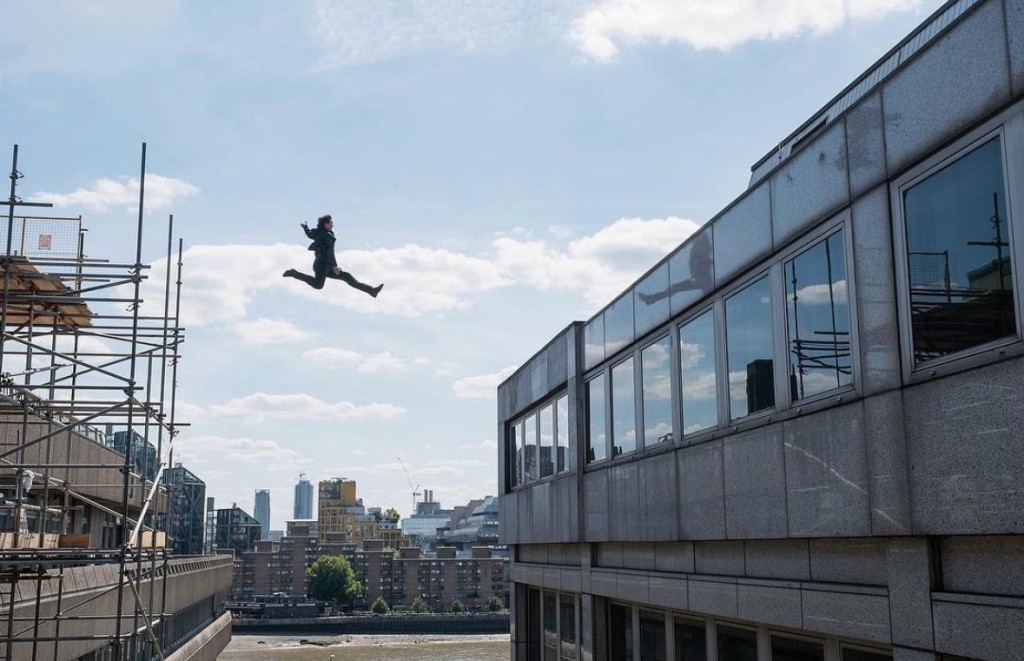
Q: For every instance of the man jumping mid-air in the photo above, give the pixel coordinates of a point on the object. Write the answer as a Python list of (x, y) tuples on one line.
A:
[(325, 265)]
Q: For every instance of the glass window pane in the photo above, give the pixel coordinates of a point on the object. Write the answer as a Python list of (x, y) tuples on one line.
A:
[(657, 387), (818, 317), (520, 452), (567, 605), (562, 425), (697, 368), (550, 627), (748, 323), (651, 300), (597, 448), (533, 625), (530, 467), (618, 325), (736, 644), (958, 254), (620, 632), (792, 649), (691, 641), (547, 440), (593, 342), (652, 636), (623, 409), (691, 271), (854, 654)]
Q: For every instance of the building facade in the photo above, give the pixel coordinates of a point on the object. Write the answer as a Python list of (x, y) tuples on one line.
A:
[(798, 435), (186, 515), (303, 506), (235, 530), (261, 511)]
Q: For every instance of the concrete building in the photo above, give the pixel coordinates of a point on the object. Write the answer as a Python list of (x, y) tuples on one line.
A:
[(186, 517), (235, 530), (798, 435), (303, 506), (261, 511), (472, 526), (421, 527), (342, 518)]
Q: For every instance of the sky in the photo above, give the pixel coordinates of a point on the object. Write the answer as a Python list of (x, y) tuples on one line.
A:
[(504, 167)]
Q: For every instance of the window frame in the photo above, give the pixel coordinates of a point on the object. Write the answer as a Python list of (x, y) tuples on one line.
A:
[(717, 310), (521, 420), (638, 389), (772, 273), (1009, 127), (634, 356)]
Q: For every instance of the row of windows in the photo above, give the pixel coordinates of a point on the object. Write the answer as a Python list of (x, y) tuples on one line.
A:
[(541, 443), (552, 626)]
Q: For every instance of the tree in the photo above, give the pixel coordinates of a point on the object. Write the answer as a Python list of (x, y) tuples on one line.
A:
[(457, 606), (494, 604), (331, 578), (392, 515), (419, 606), (380, 607)]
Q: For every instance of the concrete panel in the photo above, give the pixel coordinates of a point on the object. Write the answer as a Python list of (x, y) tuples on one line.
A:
[(865, 144), (812, 184), (523, 385), (701, 491), (742, 234), (769, 605), (923, 109), (788, 559), (552, 578), (539, 386), (524, 507), (608, 554), (668, 592), (571, 580), (713, 597), (963, 445), (558, 366), (847, 614), (625, 511), (876, 293), (540, 513), (638, 556), (674, 557), (755, 486), (887, 464), (721, 558), (565, 524), (1015, 34), (651, 300), (909, 654), (659, 491), (861, 561), (632, 587), (603, 583), (968, 562), (969, 630), (691, 271), (595, 487), (826, 474), (910, 571)]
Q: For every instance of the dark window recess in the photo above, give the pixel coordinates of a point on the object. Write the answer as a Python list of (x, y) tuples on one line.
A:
[(748, 323), (691, 640), (736, 644), (620, 632)]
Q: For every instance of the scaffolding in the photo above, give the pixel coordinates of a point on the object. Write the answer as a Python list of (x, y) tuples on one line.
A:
[(78, 359)]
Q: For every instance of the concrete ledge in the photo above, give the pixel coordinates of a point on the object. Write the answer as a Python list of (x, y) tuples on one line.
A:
[(207, 644)]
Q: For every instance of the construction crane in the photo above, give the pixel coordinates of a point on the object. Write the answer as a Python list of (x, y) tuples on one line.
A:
[(415, 489)]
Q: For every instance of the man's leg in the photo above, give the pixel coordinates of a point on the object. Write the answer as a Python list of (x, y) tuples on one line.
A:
[(352, 282), (316, 281)]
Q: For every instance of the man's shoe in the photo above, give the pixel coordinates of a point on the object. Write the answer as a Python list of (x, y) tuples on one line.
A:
[(290, 273), (376, 290)]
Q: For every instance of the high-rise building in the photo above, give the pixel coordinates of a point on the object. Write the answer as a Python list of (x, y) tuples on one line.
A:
[(210, 536), (261, 511), (185, 512), (303, 508), (236, 530)]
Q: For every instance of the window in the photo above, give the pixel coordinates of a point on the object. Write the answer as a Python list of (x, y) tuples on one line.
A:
[(818, 319), (597, 448), (563, 460), (691, 641), (862, 654), (652, 636), (567, 605), (620, 632), (550, 627), (623, 409), (735, 644), (530, 457), (657, 392), (515, 442), (958, 255), (697, 369), (796, 649), (748, 323), (547, 440)]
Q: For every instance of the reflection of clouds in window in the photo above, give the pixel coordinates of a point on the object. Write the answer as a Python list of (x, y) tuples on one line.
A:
[(660, 430), (689, 429), (820, 294), (690, 354), (700, 386), (623, 408), (738, 384), (657, 391), (699, 380)]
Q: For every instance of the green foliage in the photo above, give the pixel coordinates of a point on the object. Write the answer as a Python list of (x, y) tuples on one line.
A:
[(392, 515), (419, 606), (380, 607), (495, 604), (331, 578), (457, 606)]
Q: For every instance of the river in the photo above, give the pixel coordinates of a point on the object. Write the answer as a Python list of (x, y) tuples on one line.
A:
[(367, 648)]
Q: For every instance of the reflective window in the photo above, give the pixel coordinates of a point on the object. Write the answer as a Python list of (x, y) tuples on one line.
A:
[(735, 644), (748, 323), (563, 460), (618, 325), (623, 409), (597, 448), (860, 654), (530, 457), (593, 342), (550, 628), (567, 605), (620, 632), (818, 317), (652, 636), (547, 441), (657, 392), (697, 369), (533, 627), (794, 649), (958, 256), (651, 300), (520, 453), (691, 641), (691, 271)]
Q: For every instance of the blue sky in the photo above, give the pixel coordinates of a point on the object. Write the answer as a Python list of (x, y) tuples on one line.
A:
[(504, 167)]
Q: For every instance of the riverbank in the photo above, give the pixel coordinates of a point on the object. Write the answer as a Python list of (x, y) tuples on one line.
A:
[(467, 647), (393, 624)]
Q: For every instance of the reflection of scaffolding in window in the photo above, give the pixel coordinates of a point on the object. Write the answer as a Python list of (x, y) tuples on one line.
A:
[(76, 352)]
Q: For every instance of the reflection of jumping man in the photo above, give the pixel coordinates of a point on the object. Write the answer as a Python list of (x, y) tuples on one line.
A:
[(325, 265)]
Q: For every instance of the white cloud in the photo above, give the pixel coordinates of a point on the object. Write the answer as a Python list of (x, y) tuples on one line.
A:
[(481, 386), (262, 451), (377, 362), (260, 406), (819, 294), (261, 332), (360, 453), (105, 194), (488, 444), (601, 31)]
